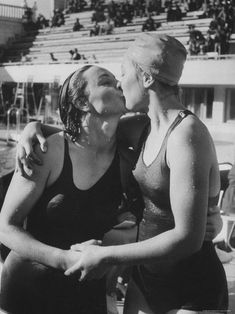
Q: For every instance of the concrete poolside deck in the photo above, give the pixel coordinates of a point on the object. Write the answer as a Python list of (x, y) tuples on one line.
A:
[(7, 163)]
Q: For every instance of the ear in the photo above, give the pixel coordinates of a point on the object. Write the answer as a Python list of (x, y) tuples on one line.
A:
[(148, 80)]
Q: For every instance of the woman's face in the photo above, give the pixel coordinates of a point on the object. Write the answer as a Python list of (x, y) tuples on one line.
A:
[(103, 95), (132, 86)]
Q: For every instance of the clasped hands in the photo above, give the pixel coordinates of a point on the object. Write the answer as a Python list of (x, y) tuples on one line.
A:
[(91, 263)]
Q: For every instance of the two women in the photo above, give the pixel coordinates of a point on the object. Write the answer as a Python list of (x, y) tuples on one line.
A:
[(175, 269)]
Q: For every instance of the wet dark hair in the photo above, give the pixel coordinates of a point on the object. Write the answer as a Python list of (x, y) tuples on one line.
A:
[(73, 103)]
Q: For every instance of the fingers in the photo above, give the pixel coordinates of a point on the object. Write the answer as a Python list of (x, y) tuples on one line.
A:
[(31, 156), (83, 276), (22, 162), (76, 268), (81, 246), (42, 141)]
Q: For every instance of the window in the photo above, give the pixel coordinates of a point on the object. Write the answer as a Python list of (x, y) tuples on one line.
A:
[(230, 104), (199, 100)]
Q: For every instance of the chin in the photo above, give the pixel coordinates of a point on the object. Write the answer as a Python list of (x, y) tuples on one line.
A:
[(135, 108)]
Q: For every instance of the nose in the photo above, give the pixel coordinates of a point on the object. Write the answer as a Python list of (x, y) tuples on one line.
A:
[(119, 85)]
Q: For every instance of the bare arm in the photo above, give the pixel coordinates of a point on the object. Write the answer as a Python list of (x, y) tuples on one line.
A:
[(22, 195), (189, 184)]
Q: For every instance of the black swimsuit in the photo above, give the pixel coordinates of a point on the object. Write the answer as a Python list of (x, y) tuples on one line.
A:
[(195, 283), (64, 215)]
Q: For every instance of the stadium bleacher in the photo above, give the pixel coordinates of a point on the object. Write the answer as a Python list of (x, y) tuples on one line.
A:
[(62, 39)]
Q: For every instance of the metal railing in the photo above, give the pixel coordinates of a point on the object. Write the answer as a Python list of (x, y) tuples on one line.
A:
[(18, 114), (11, 11)]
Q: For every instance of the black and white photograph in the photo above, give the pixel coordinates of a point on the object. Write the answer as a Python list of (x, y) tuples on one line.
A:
[(117, 157)]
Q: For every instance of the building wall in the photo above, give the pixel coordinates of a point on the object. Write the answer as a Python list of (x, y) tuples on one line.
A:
[(9, 28), (59, 4), (45, 7)]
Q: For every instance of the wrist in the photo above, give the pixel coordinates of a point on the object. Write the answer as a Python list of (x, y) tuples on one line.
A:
[(59, 258), (108, 255)]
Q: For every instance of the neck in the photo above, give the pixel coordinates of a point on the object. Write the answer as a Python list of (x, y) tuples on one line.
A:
[(98, 134), (163, 108)]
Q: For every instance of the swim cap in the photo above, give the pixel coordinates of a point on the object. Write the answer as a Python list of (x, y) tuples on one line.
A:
[(163, 54)]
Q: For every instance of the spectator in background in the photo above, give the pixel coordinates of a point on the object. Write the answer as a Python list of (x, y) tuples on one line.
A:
[(42, 22), (153, 7), (149, 25), (174, 12), (80, 5), (118, 19), (112, 8), (75, 55), (98, 15), (128, 12), (95, 30), (139, 8), (71, 7), (196, 40), (209, 43), (77, 26), (57, 19), (108, 27)]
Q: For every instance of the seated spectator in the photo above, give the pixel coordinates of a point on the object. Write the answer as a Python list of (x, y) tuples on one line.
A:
[(41, 22), (195, 34), (118, 20), (139, 8), (174, 12), (209, 43), (80, 5), (112, 8), (75, 55), (108, 27), (128, 12), (57, 19), (60, 20), (149, 25), (77, 26), (95, 30), (98, 15), (70, 8)]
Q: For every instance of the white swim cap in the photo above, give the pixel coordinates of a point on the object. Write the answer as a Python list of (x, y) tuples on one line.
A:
[(163, 54)]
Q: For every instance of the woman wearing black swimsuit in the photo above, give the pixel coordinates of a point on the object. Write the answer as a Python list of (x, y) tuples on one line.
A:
[(72, 198)]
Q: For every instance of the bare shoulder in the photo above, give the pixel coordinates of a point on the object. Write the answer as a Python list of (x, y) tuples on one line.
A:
[(191, 132), (53, 158)]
